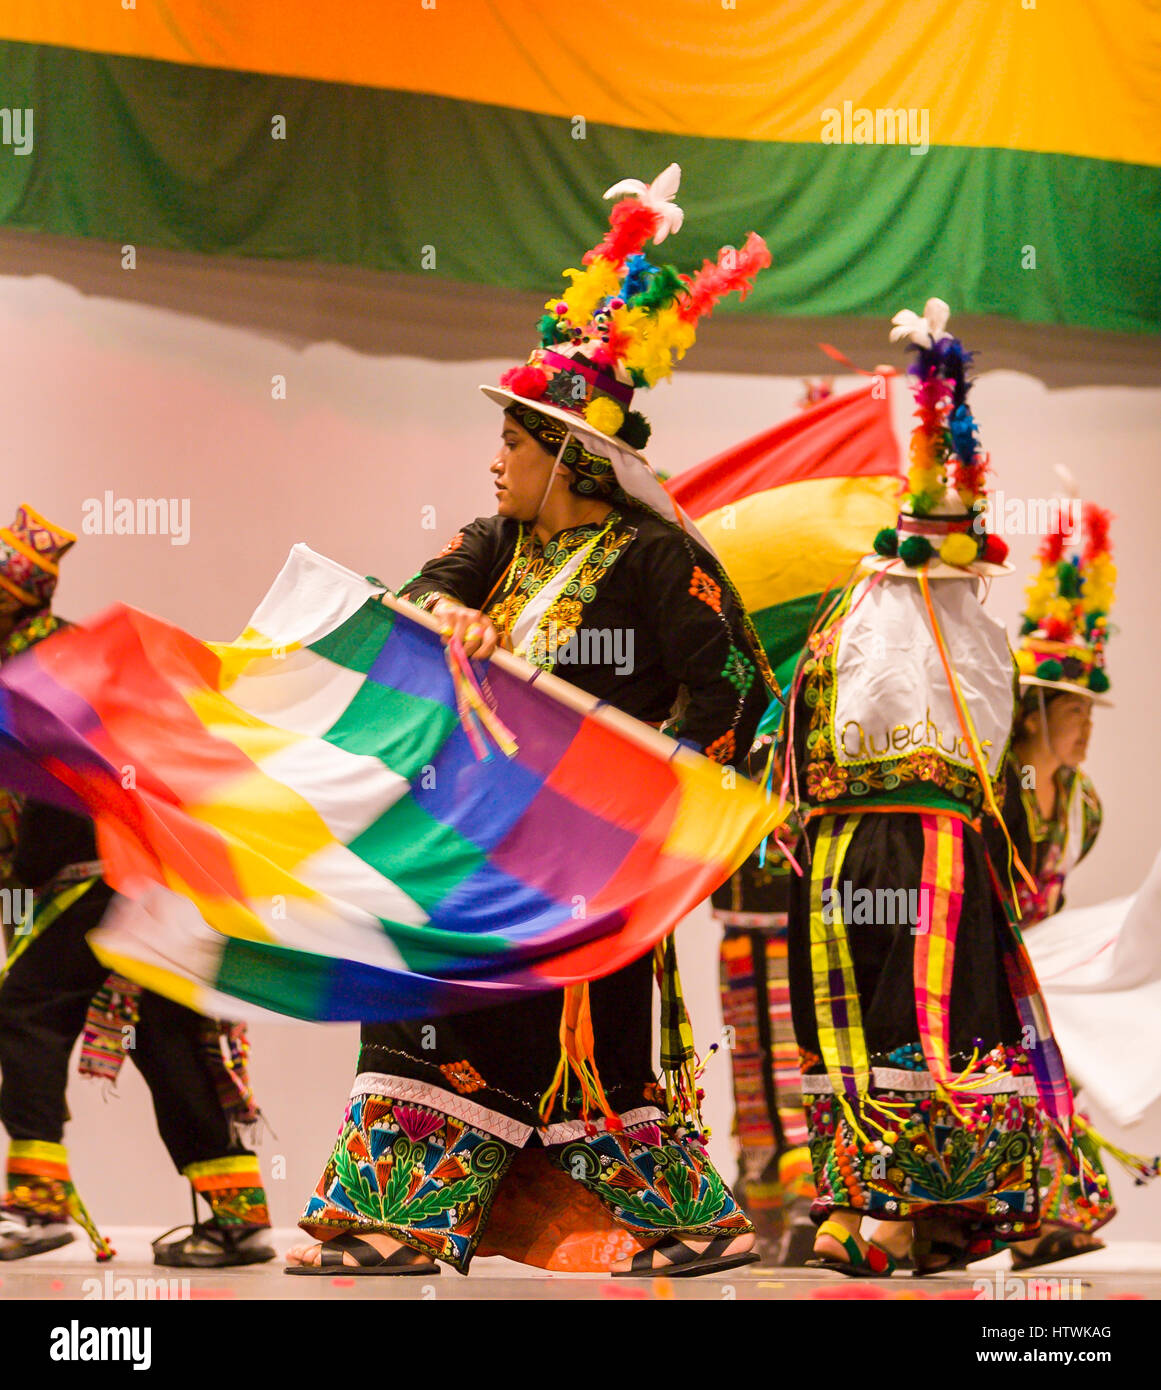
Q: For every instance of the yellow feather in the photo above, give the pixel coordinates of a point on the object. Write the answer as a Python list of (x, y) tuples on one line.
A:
[(595, 282)]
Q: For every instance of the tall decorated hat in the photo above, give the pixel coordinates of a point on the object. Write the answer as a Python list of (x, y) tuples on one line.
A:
[(1066, 622), (941, 530), (30, 552), (621, 323)]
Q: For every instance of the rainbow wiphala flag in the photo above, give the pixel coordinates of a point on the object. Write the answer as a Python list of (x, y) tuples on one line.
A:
[(299, 821)]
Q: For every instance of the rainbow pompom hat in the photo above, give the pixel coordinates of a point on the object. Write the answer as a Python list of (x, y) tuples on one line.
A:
[(940, 532), (623, 321), (1066, 623)]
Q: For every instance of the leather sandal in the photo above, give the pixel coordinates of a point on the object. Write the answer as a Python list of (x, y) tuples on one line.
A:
[(1060, 1244), (22, 1236), (210, 1246), (684, 1262), (368, 1260), (872, 1263)]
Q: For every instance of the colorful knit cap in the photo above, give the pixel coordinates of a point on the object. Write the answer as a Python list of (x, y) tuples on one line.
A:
[(623, 321), (943, 514), (1066, 622), (30, 551)]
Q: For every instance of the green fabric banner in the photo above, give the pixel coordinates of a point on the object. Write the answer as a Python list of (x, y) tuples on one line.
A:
[(158, 154)]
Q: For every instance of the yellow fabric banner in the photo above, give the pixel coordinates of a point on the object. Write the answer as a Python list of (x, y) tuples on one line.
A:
[(1069, 77), (832, 521)]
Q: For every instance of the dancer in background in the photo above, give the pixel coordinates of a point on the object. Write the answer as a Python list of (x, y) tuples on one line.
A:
[(53, 990), (912, 999), (1054, 815), (789, 511), (775, 1182)]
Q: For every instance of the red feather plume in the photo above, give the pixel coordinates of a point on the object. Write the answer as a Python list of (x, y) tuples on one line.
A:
[(631, 224), (1096, 530), (734, 271), (1052, 546)]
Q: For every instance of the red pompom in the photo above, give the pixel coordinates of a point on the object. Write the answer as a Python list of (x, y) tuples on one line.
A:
[(525, 381), (995, 550), (1056, 629)]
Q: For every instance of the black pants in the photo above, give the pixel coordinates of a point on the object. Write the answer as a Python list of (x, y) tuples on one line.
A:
[(43, 1003)]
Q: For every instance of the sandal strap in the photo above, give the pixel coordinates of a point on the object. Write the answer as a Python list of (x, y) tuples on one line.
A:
[(198, 1230), (676, 1252), (332, 1251), (846, 1240)]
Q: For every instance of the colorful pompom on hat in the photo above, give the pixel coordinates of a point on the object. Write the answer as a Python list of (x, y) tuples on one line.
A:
[(1066, 623), (623, 321), (941, 527), (30, 552)]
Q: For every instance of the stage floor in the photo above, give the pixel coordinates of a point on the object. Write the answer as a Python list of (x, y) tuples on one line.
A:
[(1125, 1270)]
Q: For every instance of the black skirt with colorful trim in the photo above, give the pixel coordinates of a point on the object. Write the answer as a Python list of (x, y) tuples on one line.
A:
[(913, 1151)]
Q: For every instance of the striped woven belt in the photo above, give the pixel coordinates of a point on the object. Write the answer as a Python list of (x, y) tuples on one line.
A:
[(72, 873)]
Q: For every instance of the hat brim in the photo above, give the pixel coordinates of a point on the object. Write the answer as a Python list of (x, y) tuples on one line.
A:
[(981, 569), (581, 428), (1026, 681)]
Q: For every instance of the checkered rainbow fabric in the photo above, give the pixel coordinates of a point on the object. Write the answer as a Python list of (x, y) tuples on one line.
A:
[(299, 820)]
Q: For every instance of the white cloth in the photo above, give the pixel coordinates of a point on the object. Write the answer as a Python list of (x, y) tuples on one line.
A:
[(1100, 970), (892, 697), (638, 479)]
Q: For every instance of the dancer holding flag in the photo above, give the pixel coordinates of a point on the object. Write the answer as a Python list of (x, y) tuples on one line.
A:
[(586, 554)]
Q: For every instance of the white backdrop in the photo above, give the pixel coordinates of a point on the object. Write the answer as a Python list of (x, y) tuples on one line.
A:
[(376, 461)]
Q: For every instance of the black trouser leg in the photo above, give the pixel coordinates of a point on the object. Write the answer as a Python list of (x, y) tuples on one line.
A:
[(170, 1053), (43, 1003)]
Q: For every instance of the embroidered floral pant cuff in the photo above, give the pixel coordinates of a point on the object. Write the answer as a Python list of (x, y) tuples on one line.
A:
[(233, 1188), (917, 1156), (426, 1171)]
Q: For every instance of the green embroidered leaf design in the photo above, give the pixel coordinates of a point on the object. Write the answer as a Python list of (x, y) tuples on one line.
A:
[(961, 1159), (393, 1198), (358, 1190), (392, 1206), (439, 1199), (681, 1186), (641, 1213), (927, 1174), (700, 1211), (687, 1209)]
